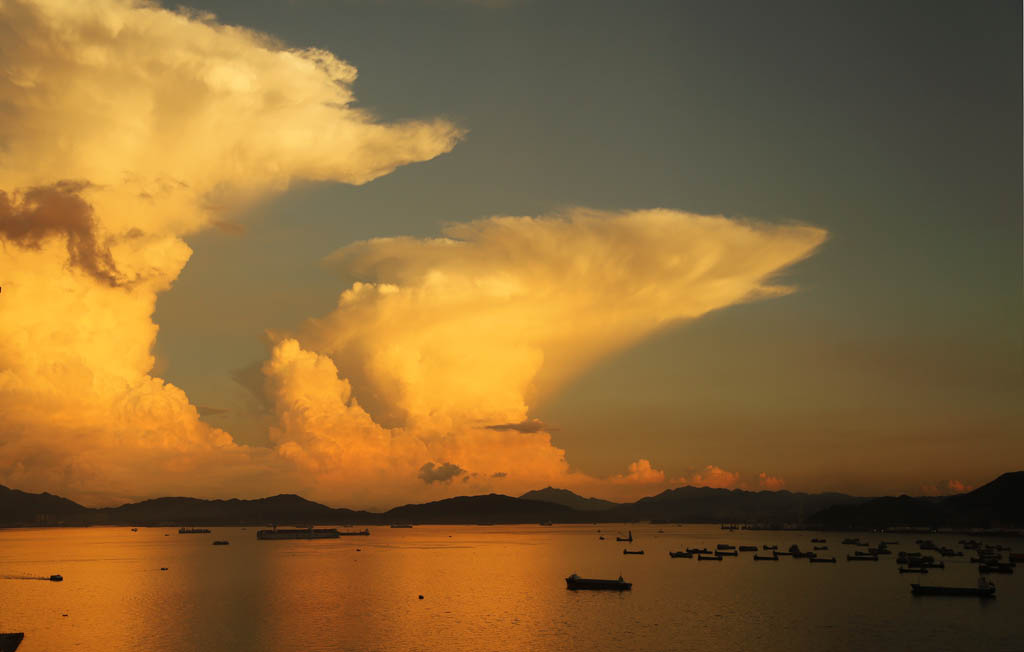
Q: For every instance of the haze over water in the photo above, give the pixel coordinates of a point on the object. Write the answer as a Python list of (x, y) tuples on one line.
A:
[(484, 588)]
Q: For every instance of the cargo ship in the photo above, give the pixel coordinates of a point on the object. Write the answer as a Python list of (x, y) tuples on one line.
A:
[(193, 530), (575, 583), (307, 533)]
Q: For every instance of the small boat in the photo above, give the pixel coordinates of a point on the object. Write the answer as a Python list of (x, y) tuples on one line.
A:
[(804, 555), (627, 551), (406, 525), (861, 557), (601, 538), (821, 547), (781, 553), (1005, 569), (135, 529), (546, 523), (628, 538), (985, 589), (9, 642), (221, 543), (724, 546), (726, 553), (914, 570), (767, 547), (56, 578), (760, 558), (708, 558), (193, 530), (699, 551), (748, 548), (681, 555), (854, 541), (817, 541), (574, 582), (822, 560)]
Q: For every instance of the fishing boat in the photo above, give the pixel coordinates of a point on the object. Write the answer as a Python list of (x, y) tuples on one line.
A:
[(985, 589), (627, 551), (861, 557), (9, 642), (817, 541), (626, 538), (821, 547), (822, 560), (575, 583), (56, 578), (681, 555), (760, 558), (306, 533), (724, 546), (699, 551), (221, 543), (726, 553), (914, 570), (193, 530), (708, 558), (748, 548), (406, 525), (767, 547)]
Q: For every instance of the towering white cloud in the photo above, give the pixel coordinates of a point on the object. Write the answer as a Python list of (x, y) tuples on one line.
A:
[(124, 126), (450, 337)]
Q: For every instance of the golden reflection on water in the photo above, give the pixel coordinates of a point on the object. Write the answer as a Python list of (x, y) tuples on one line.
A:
[(484, 588)]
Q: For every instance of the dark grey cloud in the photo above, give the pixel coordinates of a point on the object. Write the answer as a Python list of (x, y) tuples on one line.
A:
[(444, 472), (529, 425), (31, 217)]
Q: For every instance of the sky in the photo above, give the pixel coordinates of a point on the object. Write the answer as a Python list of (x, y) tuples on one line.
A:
[(379, 252)]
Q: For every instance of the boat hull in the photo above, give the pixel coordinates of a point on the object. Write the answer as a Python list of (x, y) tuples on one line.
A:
[(963, 591), (584, 584)]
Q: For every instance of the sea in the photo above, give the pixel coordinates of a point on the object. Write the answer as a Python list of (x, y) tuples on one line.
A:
[(440, 588)]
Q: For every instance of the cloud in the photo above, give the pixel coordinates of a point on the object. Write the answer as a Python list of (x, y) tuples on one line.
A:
[(169, 122), (527, 425), (770, 483), (172, 122), (640, 472), (57, 210), (714, 477), (945, 488), (431, 473)]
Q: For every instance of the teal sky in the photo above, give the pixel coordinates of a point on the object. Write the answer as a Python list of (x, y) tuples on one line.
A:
[(895, 126)]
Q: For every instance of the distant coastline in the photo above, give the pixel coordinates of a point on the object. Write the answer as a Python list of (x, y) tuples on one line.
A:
[(997, 507)]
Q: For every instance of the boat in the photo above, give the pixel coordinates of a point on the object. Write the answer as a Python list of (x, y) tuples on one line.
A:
[(760, 558), (601, 538), (708, 558), (405, 525), (306, 533), (767, 547), (726, 553), (681, 555), (9, 642), (193, 530), (821, 547), (575, 583), (985, 589), (1005, 569), (821, 560), (699, 551), (627, 551), (805, 555), (748, 548), (56, 578), (861, 557), (724, 546), (914, 570), (221, 543), (135, 529), (545, 523), (629, 538), (817, 541)]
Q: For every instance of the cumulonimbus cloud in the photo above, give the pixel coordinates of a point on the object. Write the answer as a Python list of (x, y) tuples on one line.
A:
[(166, 122), (169, 122)]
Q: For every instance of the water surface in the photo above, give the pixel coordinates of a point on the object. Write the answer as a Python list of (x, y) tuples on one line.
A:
[(484, 588)]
